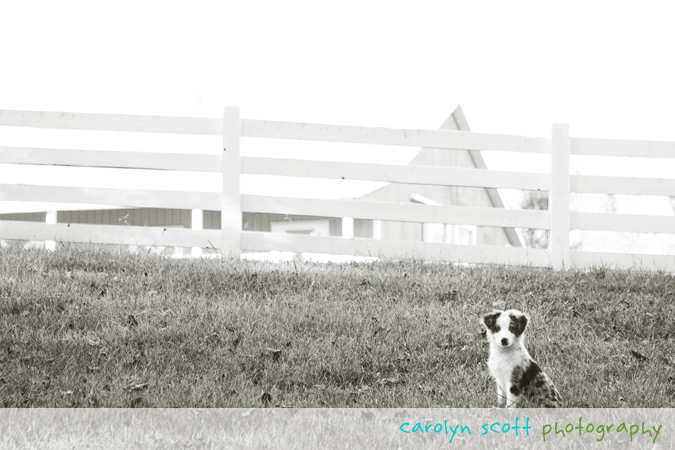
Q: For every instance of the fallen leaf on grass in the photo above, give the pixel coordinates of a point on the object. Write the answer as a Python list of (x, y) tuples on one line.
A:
[(276, 354), (138, 387), (236, 341), (426, 389), (379, 329), (389, 381), (359, 391), (639, 356), (131, 320), (447, 297)]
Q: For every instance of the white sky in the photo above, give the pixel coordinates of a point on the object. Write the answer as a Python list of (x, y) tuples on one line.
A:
[(604, 67)]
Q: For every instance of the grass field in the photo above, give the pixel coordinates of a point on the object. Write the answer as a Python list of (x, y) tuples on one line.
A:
[(92, 328)]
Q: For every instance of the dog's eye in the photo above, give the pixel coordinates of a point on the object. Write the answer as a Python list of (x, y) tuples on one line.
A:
[(497, 328)]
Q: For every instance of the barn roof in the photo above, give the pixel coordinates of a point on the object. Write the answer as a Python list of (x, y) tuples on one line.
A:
[(442, 157)]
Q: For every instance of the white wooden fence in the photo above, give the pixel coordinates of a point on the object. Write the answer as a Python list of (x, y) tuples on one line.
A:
[(231, 240)]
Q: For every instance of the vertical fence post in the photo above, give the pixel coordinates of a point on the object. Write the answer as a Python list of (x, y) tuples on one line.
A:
[(377, 229), (347, 227), (230, 219), (50, 219), (559, 207), (197, 224)]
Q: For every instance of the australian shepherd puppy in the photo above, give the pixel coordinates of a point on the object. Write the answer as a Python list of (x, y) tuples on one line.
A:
[(515, 372)]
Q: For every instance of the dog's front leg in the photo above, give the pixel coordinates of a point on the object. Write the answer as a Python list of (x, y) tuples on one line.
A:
[(511, 399), (501, 396)]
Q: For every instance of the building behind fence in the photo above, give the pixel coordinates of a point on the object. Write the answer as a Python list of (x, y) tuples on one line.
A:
[(359, 222)]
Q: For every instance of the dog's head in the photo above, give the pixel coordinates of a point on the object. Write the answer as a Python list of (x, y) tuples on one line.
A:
[(504, 328)]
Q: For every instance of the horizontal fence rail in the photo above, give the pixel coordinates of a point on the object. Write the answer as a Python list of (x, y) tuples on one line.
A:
[(474, 254), (108, 196), (615, 147), (110, 234), (231, 239), (622, 185), (622, 222), (428, 175), (111, 122), (111, 159), (461, 140), (400, 212)]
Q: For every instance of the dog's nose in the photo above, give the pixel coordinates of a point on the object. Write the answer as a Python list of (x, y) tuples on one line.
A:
[(505, 341)]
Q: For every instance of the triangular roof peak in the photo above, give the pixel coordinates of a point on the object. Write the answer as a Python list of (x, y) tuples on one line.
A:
[(460, 158)]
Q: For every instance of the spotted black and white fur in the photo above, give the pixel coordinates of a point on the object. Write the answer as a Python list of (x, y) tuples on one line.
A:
[(516, 374)]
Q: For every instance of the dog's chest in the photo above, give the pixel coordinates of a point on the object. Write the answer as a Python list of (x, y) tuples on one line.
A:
[(502, 364)]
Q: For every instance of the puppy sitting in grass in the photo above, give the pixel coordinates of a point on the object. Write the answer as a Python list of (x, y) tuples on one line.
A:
[(515, 372)]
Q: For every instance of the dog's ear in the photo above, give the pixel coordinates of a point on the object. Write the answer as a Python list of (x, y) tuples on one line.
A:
[(520, 320), (489, 320)]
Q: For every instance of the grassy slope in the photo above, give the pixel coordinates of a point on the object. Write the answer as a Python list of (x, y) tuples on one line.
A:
[(92, 328)]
